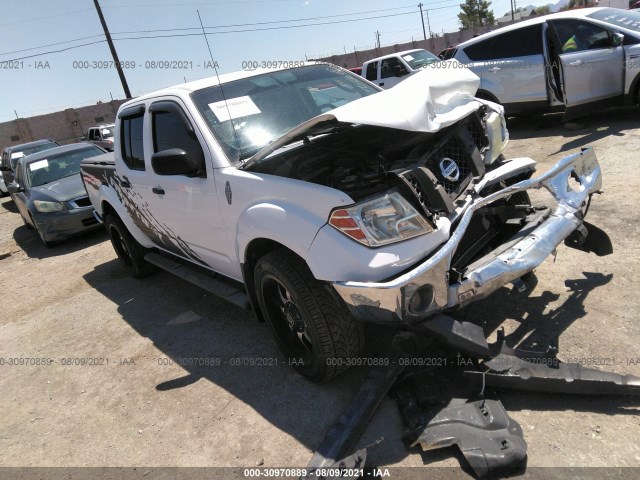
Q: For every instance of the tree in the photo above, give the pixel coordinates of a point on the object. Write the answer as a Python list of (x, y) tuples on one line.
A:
[(544, 10), (476, 13)]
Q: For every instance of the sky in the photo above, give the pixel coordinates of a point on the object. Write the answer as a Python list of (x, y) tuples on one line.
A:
[(37, 78)]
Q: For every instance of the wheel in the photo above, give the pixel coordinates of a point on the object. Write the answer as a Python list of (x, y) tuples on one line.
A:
[(310, 323), (127, 248)]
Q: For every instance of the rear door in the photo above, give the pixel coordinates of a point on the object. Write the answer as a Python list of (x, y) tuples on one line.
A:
[(511, 67), (592, 67)]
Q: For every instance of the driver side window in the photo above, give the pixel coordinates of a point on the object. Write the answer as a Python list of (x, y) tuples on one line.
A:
[(169, 132), (579, 36), (390, 66)]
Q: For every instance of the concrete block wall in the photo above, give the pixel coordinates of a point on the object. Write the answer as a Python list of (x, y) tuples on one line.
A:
[(64, 127), (435, 45)]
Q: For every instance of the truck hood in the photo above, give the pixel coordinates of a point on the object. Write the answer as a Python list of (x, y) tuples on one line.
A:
[(437, 96)]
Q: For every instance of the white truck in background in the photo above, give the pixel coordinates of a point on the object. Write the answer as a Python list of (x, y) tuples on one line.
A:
[(393, 207), (389, 70)]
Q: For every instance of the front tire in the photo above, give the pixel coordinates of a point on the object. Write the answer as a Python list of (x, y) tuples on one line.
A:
[(310, 323), (129, 251)]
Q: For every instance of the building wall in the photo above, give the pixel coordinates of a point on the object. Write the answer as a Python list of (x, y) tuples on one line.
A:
[(64, 127)]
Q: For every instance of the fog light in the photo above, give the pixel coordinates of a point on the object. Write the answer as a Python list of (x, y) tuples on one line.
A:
[(421, 300)]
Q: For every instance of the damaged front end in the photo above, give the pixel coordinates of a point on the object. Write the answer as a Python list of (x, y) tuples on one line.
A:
[(439, 283)]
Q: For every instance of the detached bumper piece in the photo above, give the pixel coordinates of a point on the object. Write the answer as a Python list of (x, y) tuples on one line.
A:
[(486, 436), (532, 371)]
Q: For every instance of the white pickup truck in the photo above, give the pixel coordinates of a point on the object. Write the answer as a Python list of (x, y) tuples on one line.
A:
[(392, 207), (389, 70)]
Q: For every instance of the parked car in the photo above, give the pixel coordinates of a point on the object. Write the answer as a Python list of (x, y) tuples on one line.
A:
[(578, 61), (391, 208), (3, 186), (101, 135), (389, 70), (11, 155), (50, 195)]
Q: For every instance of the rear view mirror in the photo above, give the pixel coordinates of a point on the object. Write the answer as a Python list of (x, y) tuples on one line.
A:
[(174, 161)]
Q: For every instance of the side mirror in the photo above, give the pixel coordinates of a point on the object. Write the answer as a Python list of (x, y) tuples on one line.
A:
[(174, 161), (617, 39), (14, 188)]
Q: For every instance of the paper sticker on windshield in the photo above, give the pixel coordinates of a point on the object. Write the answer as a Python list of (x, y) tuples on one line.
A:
[(17, 155), (38, 165), (234, 108), (408, 58)]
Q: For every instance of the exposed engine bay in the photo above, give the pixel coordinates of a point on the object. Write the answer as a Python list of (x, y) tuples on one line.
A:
[(433, 171)]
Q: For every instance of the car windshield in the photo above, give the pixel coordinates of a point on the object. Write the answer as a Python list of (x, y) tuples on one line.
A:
[(57, 166), (262, 108), (419, 59), (107, 132), (18, 154), (628, 19)]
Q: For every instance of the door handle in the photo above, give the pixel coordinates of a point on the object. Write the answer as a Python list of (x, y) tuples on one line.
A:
[(494, 69), (577, 63), (381, 84), (158, 190)]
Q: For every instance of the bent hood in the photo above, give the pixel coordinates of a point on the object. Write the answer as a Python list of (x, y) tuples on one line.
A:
[(433, 98)]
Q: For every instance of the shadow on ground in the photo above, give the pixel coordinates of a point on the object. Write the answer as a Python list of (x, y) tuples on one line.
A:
[(185, 322), (583, 131), (29, 241)]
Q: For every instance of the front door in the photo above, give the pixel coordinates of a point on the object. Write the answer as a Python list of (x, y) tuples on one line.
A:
[(591, 65)]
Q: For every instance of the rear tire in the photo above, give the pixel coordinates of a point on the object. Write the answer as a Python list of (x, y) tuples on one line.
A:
[(129, 251), (310, 323)]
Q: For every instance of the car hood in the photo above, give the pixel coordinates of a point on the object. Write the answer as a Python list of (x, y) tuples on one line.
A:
[(62, 190), (433, 98)]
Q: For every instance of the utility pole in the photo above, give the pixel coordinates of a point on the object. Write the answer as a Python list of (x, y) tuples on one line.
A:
[(125, 87), (429, 24), (422, 18), (378, 39), (513, 19)]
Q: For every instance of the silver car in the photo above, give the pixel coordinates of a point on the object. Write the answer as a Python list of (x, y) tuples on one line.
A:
[(577, 61)]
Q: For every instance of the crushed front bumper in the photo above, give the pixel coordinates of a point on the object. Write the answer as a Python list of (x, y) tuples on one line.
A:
[(391, 301)]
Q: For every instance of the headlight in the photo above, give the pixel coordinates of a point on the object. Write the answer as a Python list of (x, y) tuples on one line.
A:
[(498, 136), (48, 207), (386, 219)]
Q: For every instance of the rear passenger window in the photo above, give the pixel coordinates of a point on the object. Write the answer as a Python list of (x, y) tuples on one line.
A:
[(521, 42), (372, 71), (132, 141)]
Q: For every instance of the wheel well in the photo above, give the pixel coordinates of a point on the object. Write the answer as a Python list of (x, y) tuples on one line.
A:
[(257, 249), (635, 89), (107, 209), (483, 94)]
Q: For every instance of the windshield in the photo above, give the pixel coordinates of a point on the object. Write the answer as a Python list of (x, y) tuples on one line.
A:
[(18, 154), (628, 19), (419, 59), (58, 166), (107, 132), (262, 108)]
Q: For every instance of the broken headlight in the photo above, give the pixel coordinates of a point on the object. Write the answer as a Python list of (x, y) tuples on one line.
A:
[(383, 220)]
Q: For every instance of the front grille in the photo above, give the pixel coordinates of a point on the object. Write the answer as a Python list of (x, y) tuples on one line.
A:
[(82, 202), (453, 150), (478, 133), (87, 222)]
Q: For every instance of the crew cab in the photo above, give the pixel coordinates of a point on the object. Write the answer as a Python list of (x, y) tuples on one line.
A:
[(390, 208), (389, 70)]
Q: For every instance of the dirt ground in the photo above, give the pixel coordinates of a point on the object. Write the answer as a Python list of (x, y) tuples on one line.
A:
[(135, 405)]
